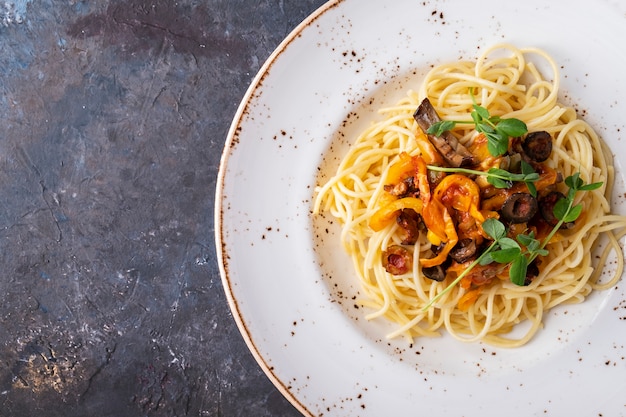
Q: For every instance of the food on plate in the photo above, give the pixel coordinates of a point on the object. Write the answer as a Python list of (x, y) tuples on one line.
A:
[(478, 203)]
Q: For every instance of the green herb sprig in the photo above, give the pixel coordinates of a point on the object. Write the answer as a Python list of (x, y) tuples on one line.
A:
[(509, 251), (565, 210), (504, 250), (498, 177), (496, 129)]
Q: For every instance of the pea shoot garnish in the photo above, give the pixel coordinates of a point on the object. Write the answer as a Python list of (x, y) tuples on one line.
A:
[(496, 129), (498, 177)]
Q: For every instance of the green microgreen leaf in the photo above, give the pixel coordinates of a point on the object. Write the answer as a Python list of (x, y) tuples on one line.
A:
[(574, 182), (494, 229), (512, 127), (486, 259), (573, 213), (481, 112), (517, 272), (475, 117), (504, 256), (561, 208), (529, 176), (527, 240), (508, 243), (497, 143), (499, 183), (502, 173), (438, 128), (591, 187), (528, 170)]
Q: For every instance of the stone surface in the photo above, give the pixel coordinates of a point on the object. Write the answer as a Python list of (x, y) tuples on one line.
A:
[(114, 115)]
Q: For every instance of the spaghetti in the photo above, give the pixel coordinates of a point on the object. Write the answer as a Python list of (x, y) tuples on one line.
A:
[(507, 83)]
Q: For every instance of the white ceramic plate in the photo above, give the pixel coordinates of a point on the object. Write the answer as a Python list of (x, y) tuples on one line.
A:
[(289, 284)]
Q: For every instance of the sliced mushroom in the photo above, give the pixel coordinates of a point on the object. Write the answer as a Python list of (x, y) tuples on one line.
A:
[(519, 208), (538, 146), (397, 260), (452, 151), (464, 250)]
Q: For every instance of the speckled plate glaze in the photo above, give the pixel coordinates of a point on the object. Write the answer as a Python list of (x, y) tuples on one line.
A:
[(289, 284)]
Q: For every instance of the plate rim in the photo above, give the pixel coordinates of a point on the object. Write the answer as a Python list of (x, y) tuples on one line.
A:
[(230, 143)]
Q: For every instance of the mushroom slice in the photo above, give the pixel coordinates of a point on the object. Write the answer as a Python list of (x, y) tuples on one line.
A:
[(452, 151)]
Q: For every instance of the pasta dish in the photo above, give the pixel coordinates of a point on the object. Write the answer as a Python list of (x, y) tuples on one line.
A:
[(477, 203)]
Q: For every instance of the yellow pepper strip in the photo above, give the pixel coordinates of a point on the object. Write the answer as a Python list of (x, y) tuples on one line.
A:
[(421, 175), (452, 240), (403, 168), (469, 298), (461, 193), (480, 149), (433, 216), (387, 214), (407, 166), (427, 150)]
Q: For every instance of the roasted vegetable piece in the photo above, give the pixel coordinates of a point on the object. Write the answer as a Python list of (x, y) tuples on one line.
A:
[(460, 193), (452, 151), (397, 260), (387, 214), (451, 237), (410, 222)]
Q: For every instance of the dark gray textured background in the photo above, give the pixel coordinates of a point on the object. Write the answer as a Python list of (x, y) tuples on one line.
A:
[(114, 115)]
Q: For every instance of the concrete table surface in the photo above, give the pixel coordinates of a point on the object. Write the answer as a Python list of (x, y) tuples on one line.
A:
[(114, 115)]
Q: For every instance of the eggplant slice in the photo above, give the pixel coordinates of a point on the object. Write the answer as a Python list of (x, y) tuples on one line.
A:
[(452, 151)]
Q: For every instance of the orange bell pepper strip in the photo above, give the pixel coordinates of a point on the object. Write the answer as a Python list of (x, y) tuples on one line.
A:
[(421, 175), (468, 299), (407, 166), (429, 153), (433, 216), (404, 167), (387, 214), (461, 193), (480, 149), (451, 240)]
